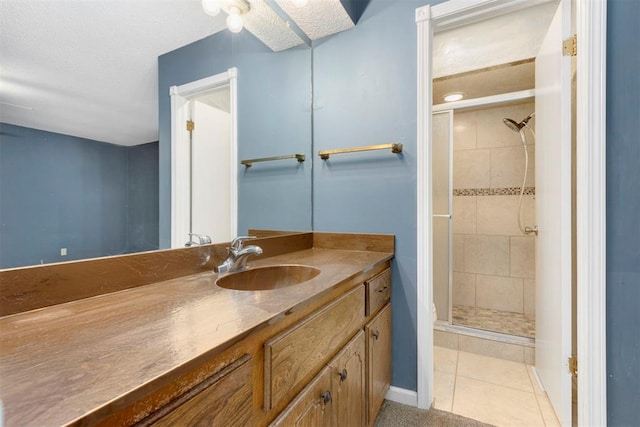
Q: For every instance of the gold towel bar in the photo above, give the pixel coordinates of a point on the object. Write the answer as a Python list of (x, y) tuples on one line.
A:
[(250, 162), (395, 148)]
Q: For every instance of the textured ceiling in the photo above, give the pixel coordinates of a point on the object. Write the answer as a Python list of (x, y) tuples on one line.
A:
[(318, 18), (88, 68), (499, 40), (265, 24)]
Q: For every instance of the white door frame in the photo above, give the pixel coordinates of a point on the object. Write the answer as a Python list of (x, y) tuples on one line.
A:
[(590, 192), (180, 203)]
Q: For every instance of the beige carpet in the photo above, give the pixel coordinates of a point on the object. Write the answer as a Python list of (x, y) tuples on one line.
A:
[(396, 415)]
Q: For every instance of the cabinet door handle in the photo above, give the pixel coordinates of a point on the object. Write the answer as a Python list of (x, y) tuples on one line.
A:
[(376, 334), (343, 375), (382, 290), (326, 397)]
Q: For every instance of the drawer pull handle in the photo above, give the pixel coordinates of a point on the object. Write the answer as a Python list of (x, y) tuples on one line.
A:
[(343, 375), (382, 290), (376, 334), (326, 397)]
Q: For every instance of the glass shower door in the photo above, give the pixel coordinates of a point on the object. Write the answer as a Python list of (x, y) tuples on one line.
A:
[(442, 178)]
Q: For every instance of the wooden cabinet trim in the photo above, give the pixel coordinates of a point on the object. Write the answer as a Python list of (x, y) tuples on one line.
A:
[(213, 380)]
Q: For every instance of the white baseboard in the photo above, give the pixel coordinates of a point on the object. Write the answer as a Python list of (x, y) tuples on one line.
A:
[(403, 396)]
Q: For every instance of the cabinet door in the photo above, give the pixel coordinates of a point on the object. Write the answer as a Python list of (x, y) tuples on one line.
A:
[(225, 399), (378, 333), (348, 372), (293, 357), (313, 407)]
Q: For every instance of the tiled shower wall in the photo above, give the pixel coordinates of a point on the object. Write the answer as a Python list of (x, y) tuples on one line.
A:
[(493, 263)]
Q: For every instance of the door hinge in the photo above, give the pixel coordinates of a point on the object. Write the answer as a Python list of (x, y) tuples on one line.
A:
[(573, 366), (570, 46), (190, 125)]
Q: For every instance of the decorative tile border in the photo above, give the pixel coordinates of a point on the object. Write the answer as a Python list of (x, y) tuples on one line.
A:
[(505, 191)]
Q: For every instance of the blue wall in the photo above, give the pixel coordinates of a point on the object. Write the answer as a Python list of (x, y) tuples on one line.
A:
[(623, 207), (60, 191), (274, 118), (142, 197), (365, 93)]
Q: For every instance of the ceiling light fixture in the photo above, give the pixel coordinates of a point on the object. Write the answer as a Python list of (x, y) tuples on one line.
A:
[(454, 96), (234, 20), (234, 8), (211, 7)]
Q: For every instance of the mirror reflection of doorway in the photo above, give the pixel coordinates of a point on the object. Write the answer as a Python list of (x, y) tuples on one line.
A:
[(204, 188)]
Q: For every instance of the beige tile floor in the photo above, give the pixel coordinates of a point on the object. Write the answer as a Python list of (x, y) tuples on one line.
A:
[(494, 391)]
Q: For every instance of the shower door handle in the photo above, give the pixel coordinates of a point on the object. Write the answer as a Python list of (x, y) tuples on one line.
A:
[(442, 216)]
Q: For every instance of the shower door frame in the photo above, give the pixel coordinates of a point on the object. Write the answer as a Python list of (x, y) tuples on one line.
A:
[(451, 113), (591, 23), (451, 108)]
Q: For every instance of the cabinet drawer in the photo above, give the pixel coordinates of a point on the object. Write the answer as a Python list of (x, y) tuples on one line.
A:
[(225, 398), (293, 357), (378, 291)]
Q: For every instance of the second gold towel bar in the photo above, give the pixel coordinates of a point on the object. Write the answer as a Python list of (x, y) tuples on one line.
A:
[(395, 148)]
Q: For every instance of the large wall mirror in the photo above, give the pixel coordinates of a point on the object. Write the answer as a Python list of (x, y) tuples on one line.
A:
[(273, 120), (65, 198)]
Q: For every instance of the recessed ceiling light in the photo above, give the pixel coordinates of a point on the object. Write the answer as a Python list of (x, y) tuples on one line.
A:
[(454, 96)]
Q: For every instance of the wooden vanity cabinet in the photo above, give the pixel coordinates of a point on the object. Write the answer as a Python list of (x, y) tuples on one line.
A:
[(378, 339), (336, 396), (224, 399), (351, 388), (331, 367)]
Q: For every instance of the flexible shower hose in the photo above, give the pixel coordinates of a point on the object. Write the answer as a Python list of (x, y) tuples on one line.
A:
[(524, 179)]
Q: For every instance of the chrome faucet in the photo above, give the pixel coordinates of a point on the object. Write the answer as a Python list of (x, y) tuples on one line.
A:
[(203, 239), (238, 254)]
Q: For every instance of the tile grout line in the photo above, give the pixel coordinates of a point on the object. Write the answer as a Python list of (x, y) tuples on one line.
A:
[(524, 365), (544, 420), (497, 384), (455, 380), (530, 374)]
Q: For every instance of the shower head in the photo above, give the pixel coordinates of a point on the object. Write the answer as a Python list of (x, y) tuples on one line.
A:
[(517, 127), (511, 124)]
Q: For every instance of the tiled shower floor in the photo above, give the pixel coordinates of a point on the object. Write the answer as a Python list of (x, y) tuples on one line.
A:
[(494, 320)]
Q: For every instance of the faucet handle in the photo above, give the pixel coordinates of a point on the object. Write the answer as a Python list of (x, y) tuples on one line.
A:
[(238, 242)]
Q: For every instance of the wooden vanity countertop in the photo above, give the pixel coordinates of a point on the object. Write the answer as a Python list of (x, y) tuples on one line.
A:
[(60, 363)]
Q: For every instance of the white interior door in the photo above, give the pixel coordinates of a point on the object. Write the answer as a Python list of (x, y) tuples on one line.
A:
[(553, 212), (211, 172)]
